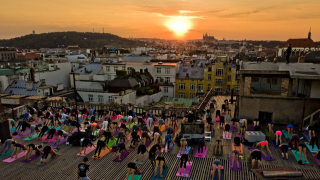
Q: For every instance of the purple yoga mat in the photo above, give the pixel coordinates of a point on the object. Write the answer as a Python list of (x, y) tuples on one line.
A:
[(9, 160), (23, 134), (315, 158), (61, 142), (187, 170), (51, 140), (123, 156), (32, 157), (267, 158), (148, 143), (238, 135), (235, 165), (226, 133), (205, 149), (116, 132)]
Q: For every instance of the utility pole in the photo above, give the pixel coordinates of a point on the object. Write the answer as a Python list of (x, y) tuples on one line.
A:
[(303, 109), (75, 98)]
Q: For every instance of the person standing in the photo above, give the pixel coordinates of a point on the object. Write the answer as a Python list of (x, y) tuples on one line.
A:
[(82, 169), (288, 53)]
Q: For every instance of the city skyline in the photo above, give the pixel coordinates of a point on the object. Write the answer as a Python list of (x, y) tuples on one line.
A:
[(183, 19)]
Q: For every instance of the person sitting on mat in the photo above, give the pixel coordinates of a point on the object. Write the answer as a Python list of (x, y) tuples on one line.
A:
[(183, 145), (218, 146), (313, 141), (237, 142), (201, 145), (216, 163), (46, 151), (284, 147), (121, 148), (210, 124), (132, 168), (293, 142), (141, 150), (162, 162), (311, 129), (183, 161), (235, 155), (255, 155), (270, 127), (152, 152), (227, 131), (278, 137), (7, 143), (289, 129), (87, 141), (302, 148), (30, 148), (17, 147), (263, 145)]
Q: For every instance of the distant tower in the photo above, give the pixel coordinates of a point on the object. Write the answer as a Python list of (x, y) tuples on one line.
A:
[(309, 34), (103, 30), (33, 32)]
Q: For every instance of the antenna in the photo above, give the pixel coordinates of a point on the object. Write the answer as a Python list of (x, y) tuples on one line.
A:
[(103, 30)]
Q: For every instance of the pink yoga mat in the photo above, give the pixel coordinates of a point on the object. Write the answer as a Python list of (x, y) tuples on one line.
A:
[(224, 135), (88, 150), (216, 168), (235, 165), (205, 149), (43, 138), (9, 160), (187, 170), (23, 134), (52, 140)]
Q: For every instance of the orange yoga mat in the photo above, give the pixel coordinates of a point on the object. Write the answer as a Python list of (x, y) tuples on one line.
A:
[(103, 153), (240, 149), (163, 127)]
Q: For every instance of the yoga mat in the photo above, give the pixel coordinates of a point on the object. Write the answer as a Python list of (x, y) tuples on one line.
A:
[(238, 135), (21, 154), (162, 127), (205, 149), (102, 139), (112, 142), (51, 140), (235, 164), (315, 149), (216, 175), (285, 133), (32, 157), (61, 142), (145, 158), (274, 144), (317, 160), (7, 154), (88, 150), (187, 170), (116, 132), (23, 134), (267, 158), (32, 137), (43, 138), (164, 172), (186, 152), (280, 156), (170, 148), (12, 129), (148, 143), (103, 153), (296, 155), (131, 125), (307, 135), (123, 156), (226, 133), (239, 148), (136, 177)]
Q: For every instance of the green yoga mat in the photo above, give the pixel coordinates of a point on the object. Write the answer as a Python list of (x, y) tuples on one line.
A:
[(7, 154), (164, 172), (296, 155), (269, 135), (131, 125), (32, 137), (136, 177), (112, 142), (315, 149), (285, 133)]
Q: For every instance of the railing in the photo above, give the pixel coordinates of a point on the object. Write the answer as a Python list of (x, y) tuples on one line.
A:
[(205, 101), (90, 90), (309, 119)]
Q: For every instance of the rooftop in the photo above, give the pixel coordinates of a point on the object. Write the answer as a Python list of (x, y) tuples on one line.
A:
[(305, 42), (93, 68), (5, 72), (123, 82), (194, 71), (185, 101), (18, 87)]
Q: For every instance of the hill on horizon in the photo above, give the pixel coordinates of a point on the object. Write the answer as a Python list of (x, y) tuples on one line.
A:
[(63, 39)]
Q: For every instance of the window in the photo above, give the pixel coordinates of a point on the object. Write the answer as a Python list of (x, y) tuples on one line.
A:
[(158, 79), (181, 95), (209, 69), (108, 68), (237, 88), (165, 89), (265, 116), (192, 86), (159, 70), (209, 77), (110, 98), (167, 79), (218, 82), (115, 68), (46, 94), (219, 72), (228, 87), (218, 89), (109, 77), (229, 78), (200, 87), (182, 86), (167, 71), (191, 96), (129, 70), (123, 68), (100, 98), (209, 86), (265, 85), (229, 69), (90, 97), (301, 87)]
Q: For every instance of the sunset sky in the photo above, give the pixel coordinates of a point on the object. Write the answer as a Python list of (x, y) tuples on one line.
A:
[(167, 19)]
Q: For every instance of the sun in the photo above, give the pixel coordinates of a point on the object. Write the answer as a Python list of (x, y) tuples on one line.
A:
[(179, 25)]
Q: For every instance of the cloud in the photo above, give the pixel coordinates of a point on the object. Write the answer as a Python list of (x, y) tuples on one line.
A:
[(187, 12), (179, 16)]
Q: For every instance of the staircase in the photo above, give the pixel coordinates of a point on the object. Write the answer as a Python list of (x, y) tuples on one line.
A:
[(311, 118)]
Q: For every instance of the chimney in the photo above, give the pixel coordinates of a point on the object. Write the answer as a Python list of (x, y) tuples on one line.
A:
[(29, 85)]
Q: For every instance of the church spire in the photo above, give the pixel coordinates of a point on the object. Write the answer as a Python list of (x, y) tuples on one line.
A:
[(309, 34)]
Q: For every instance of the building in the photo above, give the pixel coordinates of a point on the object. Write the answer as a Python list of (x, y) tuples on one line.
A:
[(8, 53), (7, 76), (300, 47), (28, 88), (207, 37), (277, 91)]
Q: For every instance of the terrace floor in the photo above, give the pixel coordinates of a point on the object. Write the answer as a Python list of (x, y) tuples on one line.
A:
[(65, 166)]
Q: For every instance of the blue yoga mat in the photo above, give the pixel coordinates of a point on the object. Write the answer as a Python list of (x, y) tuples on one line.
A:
[(274, 144), (296, 155), (32, 137), (7, 154), (216, 176), (315, 149), (164, 172), (285, 133), (307, 136)]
